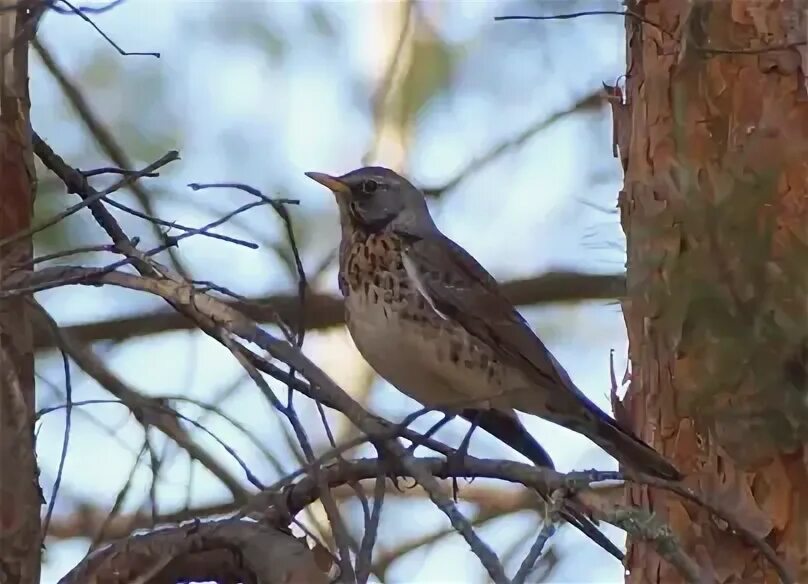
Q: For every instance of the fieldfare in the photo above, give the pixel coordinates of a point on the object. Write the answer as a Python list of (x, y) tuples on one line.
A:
[(434, 323)]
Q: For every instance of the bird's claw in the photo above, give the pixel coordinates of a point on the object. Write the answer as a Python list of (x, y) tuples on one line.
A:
[(456, 467)]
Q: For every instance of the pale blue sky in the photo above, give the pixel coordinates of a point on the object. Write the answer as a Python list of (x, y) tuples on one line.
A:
[(240, 113)]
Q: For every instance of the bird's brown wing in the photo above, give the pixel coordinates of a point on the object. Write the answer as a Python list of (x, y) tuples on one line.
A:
[(462, 290)]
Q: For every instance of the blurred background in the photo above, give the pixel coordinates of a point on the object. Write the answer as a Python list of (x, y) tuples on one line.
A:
[(501, 121)]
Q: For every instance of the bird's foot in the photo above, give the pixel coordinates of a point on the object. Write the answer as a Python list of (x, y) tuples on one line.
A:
[(456, 467), (394, 476), (456, 462)]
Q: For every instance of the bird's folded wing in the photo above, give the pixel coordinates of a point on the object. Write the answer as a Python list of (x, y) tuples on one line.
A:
[(462, 290)]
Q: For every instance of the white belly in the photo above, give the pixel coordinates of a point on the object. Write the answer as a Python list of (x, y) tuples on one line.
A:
[(439, 368)]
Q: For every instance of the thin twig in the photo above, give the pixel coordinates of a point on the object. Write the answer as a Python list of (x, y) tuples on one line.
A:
[(253, 439), (641, 18), (136, 257), (155, 466), (329, 504), (87, 19), (547, 531), (364, 556), (165, 409), (101, 134), (332, 511), (41, 150), (326, 310), (100, 535), (86, 9), (302, 285), (72, 252), (115, 170), (205, 309), (175, 225), (571, 15), (278, 205), (591, 101), (68, 420)]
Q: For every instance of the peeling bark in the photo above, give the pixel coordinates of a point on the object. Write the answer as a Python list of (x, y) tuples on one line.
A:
[(20, 496), (715, 209)]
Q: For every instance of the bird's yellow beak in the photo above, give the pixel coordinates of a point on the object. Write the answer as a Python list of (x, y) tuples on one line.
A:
[(337, 186)]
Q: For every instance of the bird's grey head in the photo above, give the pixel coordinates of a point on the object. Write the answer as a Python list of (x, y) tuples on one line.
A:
[(373, 198)]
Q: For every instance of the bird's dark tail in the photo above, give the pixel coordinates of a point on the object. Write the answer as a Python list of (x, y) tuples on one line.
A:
[(622, 444), (510, 430)]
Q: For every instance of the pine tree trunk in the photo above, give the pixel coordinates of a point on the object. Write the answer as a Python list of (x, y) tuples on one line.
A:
[(20, 496), (715, 209)]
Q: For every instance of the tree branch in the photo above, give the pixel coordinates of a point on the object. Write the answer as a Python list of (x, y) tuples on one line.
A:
[(147, 410), (222, 551), (325, 310)]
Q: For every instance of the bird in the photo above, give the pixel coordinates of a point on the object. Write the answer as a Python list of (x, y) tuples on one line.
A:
[(434, 323)]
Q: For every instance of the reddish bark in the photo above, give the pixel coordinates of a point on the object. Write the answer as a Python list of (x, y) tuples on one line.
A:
[(20, 496), (715, 210)]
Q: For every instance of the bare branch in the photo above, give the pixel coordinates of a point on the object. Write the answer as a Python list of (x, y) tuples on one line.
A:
[(103, 137), (86, 519), (113, 170), (81, 14), (280, 209), (332, 511), (364, 556), (592, 101), (324, 311), (179, 226), (88, 9), (68, 418), (639, 17), (72, 252), (222, 551), (547, 531), (100, 534), (148, 411), (75, 183), (205, 309)]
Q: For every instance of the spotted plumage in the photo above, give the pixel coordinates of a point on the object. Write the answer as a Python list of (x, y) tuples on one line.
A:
[(433, 322), (395, 326)]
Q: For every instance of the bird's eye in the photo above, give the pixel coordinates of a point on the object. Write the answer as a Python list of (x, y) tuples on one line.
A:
[(369, 186)]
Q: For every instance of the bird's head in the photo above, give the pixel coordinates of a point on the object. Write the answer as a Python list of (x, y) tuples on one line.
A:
[(373, 198)]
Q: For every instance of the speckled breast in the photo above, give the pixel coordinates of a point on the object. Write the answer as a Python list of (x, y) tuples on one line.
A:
[(432, 359)]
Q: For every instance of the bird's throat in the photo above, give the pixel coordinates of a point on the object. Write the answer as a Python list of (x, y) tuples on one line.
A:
[(369, 223)]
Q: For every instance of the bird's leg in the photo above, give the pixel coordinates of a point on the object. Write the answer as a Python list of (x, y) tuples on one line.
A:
[(456, 460), (447, 417)]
